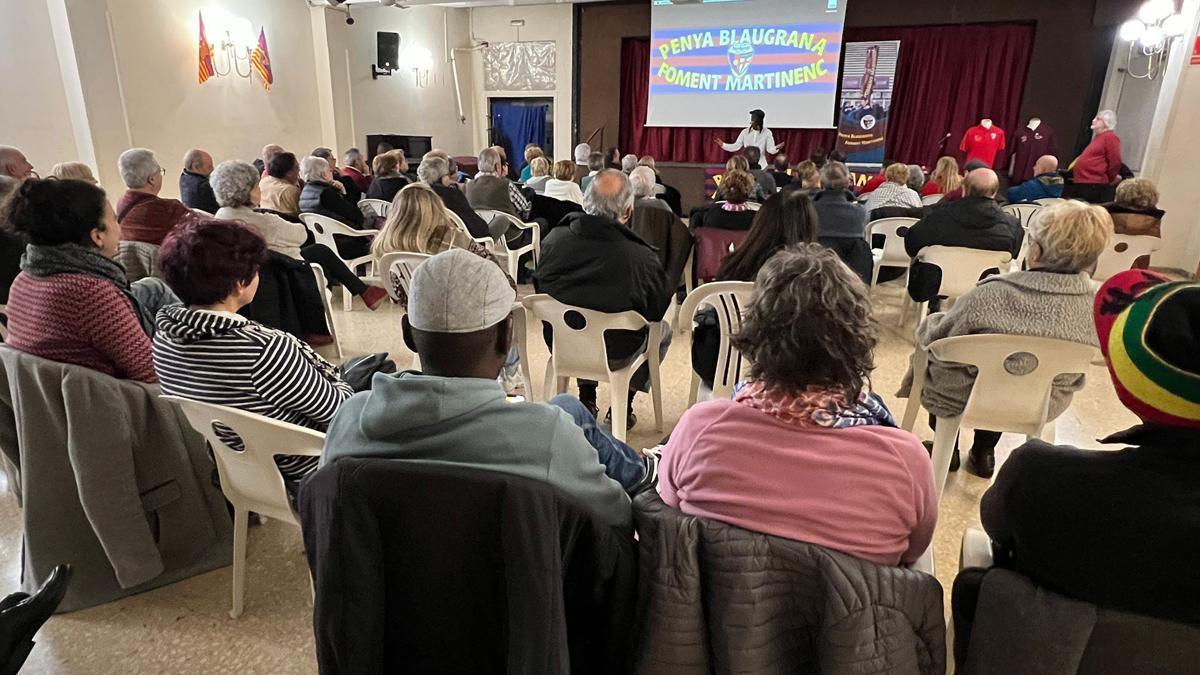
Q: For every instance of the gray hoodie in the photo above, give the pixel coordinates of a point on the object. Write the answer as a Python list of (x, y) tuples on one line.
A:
[(468, 422)]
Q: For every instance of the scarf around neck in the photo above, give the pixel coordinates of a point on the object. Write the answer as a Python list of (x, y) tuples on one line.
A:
[(816, 406), (47, 261)]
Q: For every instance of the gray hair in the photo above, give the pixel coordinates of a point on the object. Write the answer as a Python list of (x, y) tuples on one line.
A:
[(1109, 118), (607, 204), (138, 166), (643, 180), (489, 160), (193, 158), (582, 152), (835, 176), (233, 181), (352, 156), (629, 163), (916, 178), (313, 168), (432, 169)]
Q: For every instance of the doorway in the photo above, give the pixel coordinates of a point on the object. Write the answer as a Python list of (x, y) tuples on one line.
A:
[(517, 122)]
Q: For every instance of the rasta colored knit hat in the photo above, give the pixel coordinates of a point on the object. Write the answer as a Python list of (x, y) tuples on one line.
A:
[(1149, 329)]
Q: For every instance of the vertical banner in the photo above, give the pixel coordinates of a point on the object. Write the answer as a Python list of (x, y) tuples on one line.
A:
[(868, 75)]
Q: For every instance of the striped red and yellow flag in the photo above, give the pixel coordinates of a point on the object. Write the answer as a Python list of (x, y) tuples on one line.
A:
[(260, 58), (206, 57)]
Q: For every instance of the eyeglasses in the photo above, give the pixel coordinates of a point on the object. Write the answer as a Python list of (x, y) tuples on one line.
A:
[(162, 171)]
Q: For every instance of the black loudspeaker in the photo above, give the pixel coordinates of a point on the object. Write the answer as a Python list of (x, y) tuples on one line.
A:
[(388, 47)]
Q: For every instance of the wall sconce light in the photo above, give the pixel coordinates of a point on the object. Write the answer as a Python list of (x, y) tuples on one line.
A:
[(231, 50), (1152, 34)]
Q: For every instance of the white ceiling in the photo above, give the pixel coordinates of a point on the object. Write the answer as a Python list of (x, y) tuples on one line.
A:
[(471, 3)]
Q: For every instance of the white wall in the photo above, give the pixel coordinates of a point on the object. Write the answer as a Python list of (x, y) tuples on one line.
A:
[(1133, 99), (33, 107), (403, 103), (542, 22)]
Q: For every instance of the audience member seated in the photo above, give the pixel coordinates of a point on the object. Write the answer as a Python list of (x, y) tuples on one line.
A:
[(595, 262), (1136, 211), (583, 152), (1045, 184), (665, 192), (780, 171), (783, 221), (205, 351), (596, 164), (944, 178), (459, 321), (807, 177), (344, 184), (818, 157), (492, 190), (894, 192), (539, 174), (642, 180), (916, 179), (532, 152), (71, 302), (280, 186), (14, 164), (841, 221), (1052, 299), (354, 167), (974, 222), (960, 192), (437, 173), (805, 431), (1117, 528), (12, 244), (388, 169), (320, 195), (762, 177), (74, 171), (612, 158), (561, 186), (732, 214), (875, 181), (268, 152), (740, 163), (194, 189), (629, 163), (236, 185), (143, 215)]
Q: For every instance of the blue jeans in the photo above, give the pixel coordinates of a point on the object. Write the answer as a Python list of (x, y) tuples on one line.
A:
[(621, 462)]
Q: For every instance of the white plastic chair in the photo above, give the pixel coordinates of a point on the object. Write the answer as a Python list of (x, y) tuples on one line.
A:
[(513, 256), (486, 242), (1122, 251), (1025, 213), (892, 254), (399, 265), (580, 353), (930, 200), (3, 324), (379, 207), (327, 305), (961, 268), (521, 337), (1049, 201), (730, 299), (249, 477), (1000, 400), (323, 229)]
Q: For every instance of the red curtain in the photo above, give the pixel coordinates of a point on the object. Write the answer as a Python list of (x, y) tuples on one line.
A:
[(947, 79)]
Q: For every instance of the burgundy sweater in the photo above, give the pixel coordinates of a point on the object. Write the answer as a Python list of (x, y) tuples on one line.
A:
[(145, 217), (79, 319), (1100, 161)]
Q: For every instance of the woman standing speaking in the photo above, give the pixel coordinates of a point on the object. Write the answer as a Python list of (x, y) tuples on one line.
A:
[(757, 134)]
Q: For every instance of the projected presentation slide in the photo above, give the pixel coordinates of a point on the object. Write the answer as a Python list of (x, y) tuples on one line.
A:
[(713, 61)]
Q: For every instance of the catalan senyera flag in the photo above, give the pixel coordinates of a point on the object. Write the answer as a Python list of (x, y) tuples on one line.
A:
[(206, 59), (260, 58)]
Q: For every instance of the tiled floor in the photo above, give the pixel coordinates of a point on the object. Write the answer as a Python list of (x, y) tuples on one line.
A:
[(185, 628)]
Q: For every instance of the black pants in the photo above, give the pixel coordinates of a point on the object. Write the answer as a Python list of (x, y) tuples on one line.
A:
[(1093, 193), (855, 252), (334, 268), (985, 441), (925, 280)]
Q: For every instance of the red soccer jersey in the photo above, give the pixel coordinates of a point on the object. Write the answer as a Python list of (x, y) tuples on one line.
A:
[(983, 144)]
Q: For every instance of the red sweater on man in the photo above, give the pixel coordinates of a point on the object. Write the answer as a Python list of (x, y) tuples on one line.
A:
[(146, 217), (82, 320), (1100, 162)]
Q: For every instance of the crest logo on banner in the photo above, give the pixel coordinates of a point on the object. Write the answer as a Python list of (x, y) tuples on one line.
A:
[(741, 55), (868, 75)]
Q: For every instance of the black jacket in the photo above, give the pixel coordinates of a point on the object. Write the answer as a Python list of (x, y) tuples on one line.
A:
[(599, 264), (353, 192), (423, 568), (324, 199), (386, 188), (288, 298), (972, 222), (196, 192), (1114, 528), (456, 201), (839, 215), (717, 217)]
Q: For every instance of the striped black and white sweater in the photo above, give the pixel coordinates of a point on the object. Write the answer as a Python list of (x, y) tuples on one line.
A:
[(226, 359)]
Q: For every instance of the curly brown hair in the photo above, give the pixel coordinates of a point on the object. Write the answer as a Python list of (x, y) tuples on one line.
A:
[(737, 186), (810, 323)]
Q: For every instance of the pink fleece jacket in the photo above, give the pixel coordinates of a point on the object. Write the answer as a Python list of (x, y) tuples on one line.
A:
[(866, 491)]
